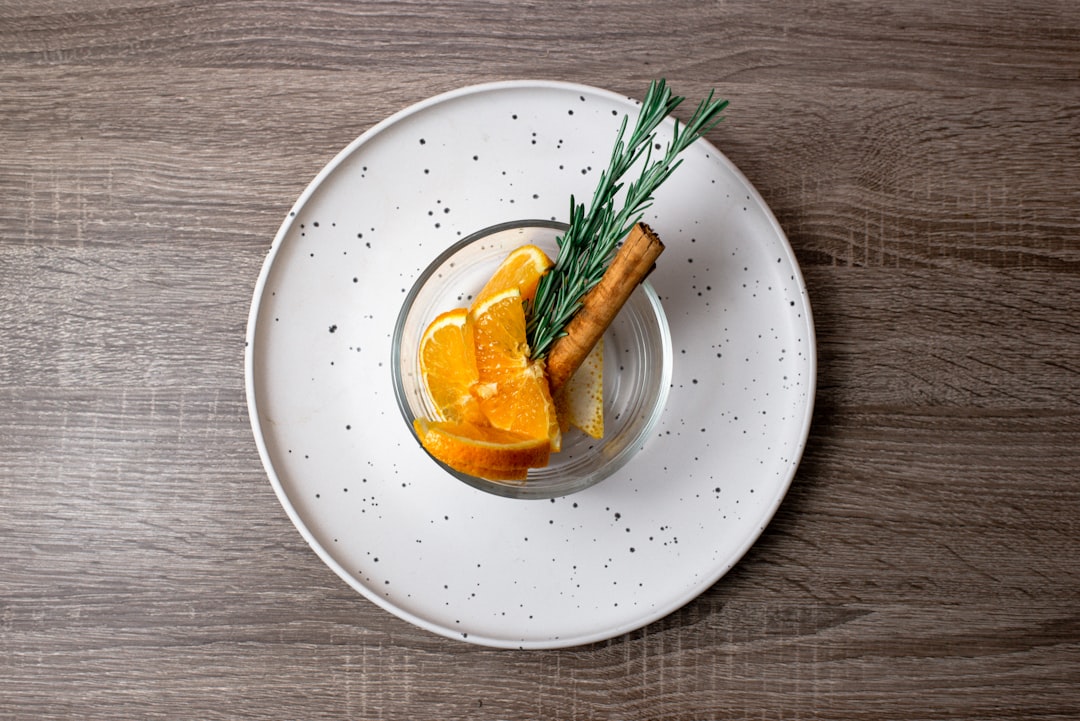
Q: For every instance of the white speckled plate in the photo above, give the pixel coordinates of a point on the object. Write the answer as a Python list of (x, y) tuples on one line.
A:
[(457, 561)]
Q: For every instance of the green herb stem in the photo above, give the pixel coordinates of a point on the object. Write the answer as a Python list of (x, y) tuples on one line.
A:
[(587, 246)]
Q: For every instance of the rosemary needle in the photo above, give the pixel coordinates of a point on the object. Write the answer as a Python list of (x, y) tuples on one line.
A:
[(586, 248)]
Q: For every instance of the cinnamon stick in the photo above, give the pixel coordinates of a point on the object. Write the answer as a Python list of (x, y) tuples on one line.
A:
[(631, 263)]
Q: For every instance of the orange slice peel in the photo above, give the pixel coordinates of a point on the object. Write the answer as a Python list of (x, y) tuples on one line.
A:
[(495, 416), (482, 450), (522, 269)]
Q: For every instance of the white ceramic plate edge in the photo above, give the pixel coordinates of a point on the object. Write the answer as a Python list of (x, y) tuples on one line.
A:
[(692, 591)]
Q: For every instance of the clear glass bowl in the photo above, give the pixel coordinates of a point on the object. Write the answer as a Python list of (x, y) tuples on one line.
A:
[(637, 361)]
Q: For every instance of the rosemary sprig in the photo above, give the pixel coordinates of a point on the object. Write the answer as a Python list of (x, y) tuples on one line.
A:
[(588, 245)]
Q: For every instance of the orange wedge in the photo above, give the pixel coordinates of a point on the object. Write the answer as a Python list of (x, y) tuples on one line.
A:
[(521, 269), (512, 390), (580, 403), (448, 366), (482, 450)]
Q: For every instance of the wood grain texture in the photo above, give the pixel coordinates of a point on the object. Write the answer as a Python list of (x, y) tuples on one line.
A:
[(922, 158)]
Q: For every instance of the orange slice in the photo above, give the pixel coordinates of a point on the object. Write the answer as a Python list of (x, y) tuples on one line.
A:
[(448, 366), (522, 269), (482, 450), (512, 390), (580, 403)]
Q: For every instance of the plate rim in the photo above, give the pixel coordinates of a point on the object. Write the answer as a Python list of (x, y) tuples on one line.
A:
[(657, 613)]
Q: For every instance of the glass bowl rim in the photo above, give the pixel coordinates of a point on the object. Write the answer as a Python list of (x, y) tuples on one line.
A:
[(497, 488)]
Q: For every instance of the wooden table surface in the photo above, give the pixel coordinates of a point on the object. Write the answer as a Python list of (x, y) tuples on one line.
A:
[(924, 159)]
